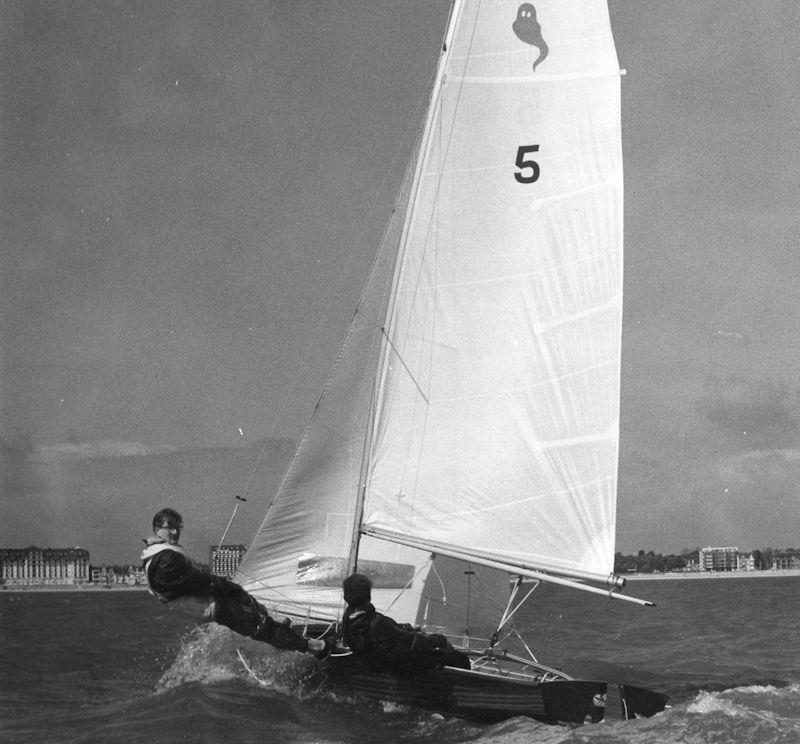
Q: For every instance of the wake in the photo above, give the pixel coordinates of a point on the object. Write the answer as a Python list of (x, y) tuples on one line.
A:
[(234, 670), (212, 654)]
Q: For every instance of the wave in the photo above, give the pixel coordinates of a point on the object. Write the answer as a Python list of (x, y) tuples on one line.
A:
[(211, 653), (751, 700), (228, 670), (767, 714), (232, 670)]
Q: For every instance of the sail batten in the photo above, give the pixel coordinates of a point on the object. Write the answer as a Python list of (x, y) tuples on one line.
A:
[(541, 79)]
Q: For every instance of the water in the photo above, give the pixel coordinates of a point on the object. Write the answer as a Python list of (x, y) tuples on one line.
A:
[(116, 666)]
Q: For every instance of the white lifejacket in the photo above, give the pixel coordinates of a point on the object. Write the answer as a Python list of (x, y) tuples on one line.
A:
[(147, 556), (194, 607)]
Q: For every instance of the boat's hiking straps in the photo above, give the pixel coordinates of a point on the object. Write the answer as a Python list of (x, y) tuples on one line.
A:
[(511, 607)]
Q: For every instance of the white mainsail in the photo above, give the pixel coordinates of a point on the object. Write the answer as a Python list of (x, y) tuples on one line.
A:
[(480, 407), (497, 431)]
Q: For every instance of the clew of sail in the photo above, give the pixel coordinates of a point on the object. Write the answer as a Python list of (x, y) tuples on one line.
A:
[(498, 403)]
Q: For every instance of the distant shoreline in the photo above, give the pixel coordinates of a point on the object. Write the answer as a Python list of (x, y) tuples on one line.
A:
[(670, 576), (72, 588), (678, 575)]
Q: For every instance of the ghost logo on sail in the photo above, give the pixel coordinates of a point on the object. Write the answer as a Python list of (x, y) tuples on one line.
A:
[(528, 29)]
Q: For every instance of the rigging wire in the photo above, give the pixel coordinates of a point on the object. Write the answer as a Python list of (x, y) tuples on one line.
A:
[(410, 582)]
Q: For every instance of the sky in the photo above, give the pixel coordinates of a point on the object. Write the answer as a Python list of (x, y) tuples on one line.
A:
[(191, 196)]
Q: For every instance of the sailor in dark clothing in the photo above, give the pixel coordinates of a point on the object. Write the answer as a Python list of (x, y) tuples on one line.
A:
[(386, 645), (172, 576)]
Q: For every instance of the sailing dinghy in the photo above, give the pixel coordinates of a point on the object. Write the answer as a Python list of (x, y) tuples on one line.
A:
[(473, 409)]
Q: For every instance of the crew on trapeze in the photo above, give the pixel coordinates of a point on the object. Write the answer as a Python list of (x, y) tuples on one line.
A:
[(386, 645), (172, 576)]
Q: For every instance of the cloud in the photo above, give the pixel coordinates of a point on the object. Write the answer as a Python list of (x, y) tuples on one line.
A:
[(88, 486), (764, 470), (751, 415), (99, 448), (20, 476), (721, 466), (28, 469)]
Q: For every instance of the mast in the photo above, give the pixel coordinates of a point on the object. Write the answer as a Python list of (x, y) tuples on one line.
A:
[(358, 517)]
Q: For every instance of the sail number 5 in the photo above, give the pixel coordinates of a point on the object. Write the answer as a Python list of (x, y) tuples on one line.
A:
[(529, 169)]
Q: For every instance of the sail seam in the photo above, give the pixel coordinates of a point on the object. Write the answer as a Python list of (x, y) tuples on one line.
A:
[(612, 304), (614, 181), (553, 157), (541, 383), (615, 74), (523, 52), (530, 499), (514, 277)]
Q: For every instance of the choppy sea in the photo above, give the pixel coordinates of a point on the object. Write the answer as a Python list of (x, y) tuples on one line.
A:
[(116, 666)]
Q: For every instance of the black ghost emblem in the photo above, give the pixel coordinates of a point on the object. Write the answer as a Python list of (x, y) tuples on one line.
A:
[(527, 29)]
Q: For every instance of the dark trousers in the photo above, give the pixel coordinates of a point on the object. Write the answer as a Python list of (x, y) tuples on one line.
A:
[(243, 614)]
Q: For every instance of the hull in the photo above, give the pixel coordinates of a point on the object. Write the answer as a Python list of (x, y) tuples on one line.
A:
[(494, 696)]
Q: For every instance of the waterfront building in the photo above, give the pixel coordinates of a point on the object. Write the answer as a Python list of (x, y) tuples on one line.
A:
[(718, 559), (745, 562), (786, 560), (223, 560), (101, 575), (135, 575), (107, 575), (34, 566)]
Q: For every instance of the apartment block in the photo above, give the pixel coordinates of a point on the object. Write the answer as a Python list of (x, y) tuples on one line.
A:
[(223, 560), (34, 566), (718, 559)]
